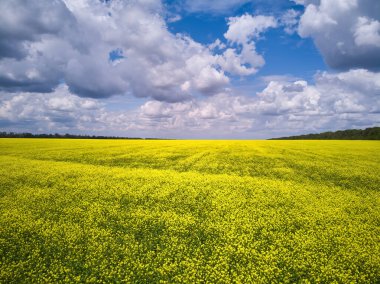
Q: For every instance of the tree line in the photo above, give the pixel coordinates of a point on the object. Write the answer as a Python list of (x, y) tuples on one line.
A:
[(57, 135), (372, 133)]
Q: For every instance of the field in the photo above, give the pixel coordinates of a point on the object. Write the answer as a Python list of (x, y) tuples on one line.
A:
[(146, 211)]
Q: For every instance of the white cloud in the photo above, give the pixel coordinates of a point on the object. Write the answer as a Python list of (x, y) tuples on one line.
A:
[(355, 91), (77, 50), (71, 41), (217, 44), (49, 112), (174, 19), (243, 31), (285, 106), (289, 98), (345, 31), (290, 20), (245, 28), (335, 101), (45, 60), (234, 63), (367, 32)]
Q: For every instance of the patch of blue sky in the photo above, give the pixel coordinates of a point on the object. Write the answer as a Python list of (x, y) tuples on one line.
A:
[(283, 53), (115, 55), (289, 54)]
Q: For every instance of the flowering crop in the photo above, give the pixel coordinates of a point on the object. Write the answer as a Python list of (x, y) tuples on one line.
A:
[(139, 211)]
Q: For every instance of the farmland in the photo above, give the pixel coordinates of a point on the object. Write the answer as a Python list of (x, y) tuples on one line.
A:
[(139, 211)]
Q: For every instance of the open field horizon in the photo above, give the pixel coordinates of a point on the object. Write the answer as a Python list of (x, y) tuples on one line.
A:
[(185, 211), (165, 209)]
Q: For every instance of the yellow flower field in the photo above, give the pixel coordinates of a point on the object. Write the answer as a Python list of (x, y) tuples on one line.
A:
[(163, 211)]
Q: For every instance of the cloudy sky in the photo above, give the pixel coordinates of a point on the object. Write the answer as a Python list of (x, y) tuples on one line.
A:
[(244, 69)]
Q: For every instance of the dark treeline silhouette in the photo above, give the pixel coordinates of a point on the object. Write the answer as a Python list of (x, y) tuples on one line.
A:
[(372, 133), (56, 135)]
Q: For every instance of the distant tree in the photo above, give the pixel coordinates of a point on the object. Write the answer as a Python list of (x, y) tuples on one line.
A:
[(4, 134), (372, 133)]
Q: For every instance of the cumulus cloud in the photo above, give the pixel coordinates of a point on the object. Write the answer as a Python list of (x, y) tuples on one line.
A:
[(367, 32), (217, 115), (58, 57), (335, 101), (243, 31), (289, 20), (246, 27), (329, 102), (285, 106), (48, 112), (22, 23), (347, 32), (46, 43)]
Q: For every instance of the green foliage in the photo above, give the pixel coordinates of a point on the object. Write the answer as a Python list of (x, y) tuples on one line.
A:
[(351, 134), (57, 135), (94, 211)]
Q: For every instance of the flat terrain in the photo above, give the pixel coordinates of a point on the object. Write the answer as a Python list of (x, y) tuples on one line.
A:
[(140, 211)]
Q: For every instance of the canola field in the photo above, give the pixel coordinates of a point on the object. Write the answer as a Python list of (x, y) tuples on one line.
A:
[(147, 211)]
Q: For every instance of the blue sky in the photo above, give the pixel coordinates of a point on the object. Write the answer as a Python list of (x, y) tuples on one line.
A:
[(215, 69), (286, 53)]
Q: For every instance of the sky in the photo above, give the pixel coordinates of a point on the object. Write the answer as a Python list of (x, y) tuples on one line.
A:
[(189, 69)]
